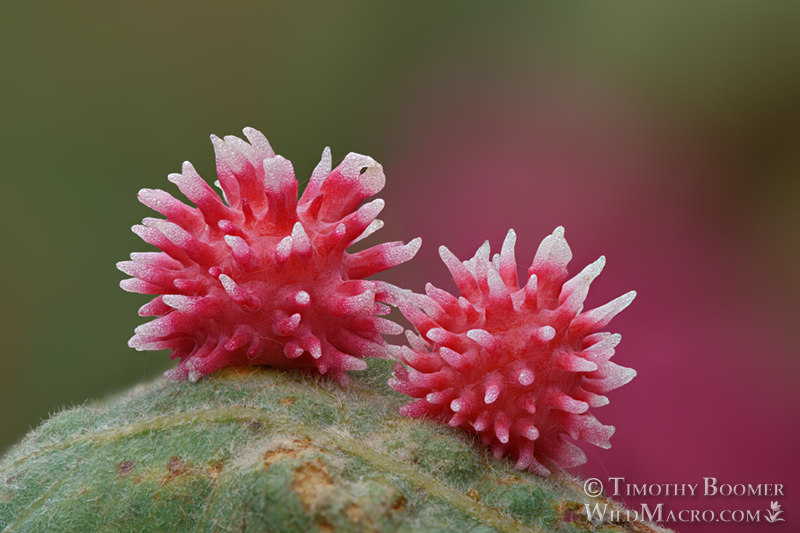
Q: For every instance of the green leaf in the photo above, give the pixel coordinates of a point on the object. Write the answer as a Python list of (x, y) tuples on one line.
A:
[(261, 449)]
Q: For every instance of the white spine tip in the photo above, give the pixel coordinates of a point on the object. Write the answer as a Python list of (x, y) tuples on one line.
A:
[(283, 249), (227, 283), (525, 377), (546, 333), (302, 298), (446, 254), (437, 335), (492, 393), (482, 337)]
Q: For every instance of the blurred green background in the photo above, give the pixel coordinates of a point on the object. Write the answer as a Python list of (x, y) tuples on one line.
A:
[(100, 99)]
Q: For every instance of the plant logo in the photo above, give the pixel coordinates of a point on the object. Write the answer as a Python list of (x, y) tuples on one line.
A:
[(774, 512)]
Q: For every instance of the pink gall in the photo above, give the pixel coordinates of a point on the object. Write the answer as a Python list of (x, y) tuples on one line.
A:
[(260, 277), (518, 365)]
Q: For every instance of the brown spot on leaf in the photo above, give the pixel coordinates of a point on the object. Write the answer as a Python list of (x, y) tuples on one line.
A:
[(215, 468), (282, 452), (311, 482), (474, 494), (124, 468), (353, 513), (176, 466), (399, 504), (510, 480), (277, 454)]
